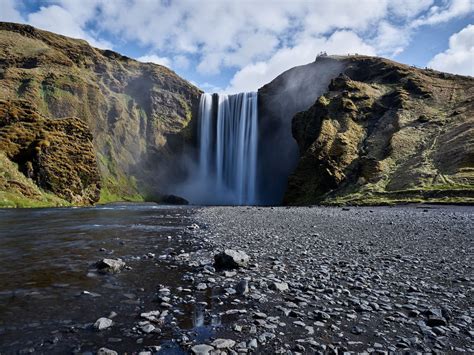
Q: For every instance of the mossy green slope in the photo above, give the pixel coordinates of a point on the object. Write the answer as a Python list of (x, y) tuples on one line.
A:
[(57, 155), (133, 109)]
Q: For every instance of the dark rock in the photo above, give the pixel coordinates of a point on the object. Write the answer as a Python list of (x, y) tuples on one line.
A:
[(174, 200), (231, 259), (435, 321)]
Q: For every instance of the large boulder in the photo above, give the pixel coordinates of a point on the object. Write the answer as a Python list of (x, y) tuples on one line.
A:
[(110, 265), (231, 259)]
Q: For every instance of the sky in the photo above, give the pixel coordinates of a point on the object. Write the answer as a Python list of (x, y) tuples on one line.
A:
[(239, 45)]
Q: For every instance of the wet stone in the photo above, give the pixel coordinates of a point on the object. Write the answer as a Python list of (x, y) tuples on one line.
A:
[(103, 323), (202, 349), (110, 265), (223, 343)]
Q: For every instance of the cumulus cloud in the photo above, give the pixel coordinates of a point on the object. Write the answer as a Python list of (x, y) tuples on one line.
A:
[(459, 57), (153, 58), (259, 37), (409, 8), (181, 62), (391, 40), (255, 75), (9, 12), (439, 14)]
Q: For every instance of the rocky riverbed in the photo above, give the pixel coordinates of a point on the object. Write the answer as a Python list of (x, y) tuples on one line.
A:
[(211, 280), (341, 279)]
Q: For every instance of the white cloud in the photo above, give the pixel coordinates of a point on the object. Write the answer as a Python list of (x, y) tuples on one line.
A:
[(181, 62), (437, 14), (254, 37), (208, 87), (391, 40), (57, 19), (153, 58), (459, 57), (324, 16), (253, 76), (409, 8), (9, 12)]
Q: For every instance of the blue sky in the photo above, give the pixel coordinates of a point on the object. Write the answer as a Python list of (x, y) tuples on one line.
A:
[(235, 46)]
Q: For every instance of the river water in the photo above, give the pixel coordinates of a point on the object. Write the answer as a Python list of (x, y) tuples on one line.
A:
[(50, 293)]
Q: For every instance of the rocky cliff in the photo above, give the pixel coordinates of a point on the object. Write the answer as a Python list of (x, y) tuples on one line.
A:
[(278, 101), (139, 114), (384, 132)]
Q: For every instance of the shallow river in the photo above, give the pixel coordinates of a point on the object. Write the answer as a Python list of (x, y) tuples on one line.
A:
[(50, 293)]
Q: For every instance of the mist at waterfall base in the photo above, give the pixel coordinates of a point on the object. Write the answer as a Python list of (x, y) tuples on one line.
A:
[(251, 161)]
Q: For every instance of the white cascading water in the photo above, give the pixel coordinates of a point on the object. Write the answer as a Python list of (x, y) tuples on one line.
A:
[(228, 148)]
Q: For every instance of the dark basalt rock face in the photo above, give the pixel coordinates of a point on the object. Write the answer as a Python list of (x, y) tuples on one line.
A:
[(140, 114), (278, 101), (385, 132), (58, 155)]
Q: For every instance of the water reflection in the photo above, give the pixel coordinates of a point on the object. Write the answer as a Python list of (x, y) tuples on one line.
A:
[(49, 293)]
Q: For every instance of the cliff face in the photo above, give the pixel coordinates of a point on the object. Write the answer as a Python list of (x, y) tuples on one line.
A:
[(385, 132), (278, 101), (138, 114)]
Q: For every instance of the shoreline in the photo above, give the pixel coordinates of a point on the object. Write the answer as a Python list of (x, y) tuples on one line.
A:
[(318, 279)]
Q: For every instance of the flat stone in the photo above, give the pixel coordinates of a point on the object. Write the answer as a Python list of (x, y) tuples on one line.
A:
[(152, 316), (105, 351), (103, 323), (253, 344), (231, 259), (147, 328), (279, 286), (201, 286), (202, 349), (259, 315), (223, 343)]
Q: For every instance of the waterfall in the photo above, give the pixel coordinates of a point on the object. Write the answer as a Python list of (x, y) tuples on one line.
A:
[(228, 141)]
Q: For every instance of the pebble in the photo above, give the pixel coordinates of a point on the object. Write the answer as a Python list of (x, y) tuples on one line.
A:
[(103, 323)]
